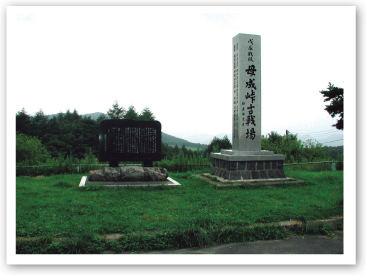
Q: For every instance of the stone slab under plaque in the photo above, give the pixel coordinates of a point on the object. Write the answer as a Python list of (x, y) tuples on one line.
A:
[(115, 184)]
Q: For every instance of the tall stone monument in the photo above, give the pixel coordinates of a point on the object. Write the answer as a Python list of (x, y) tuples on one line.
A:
[(246, 160)]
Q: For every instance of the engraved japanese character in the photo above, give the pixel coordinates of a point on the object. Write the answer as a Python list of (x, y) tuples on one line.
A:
[(251, 96), (250, 84), (250, 120), (250, 108), (250, 134), (251, 70)]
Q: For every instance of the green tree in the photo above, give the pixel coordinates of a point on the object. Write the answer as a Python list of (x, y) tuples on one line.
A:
[(294, 149), (116, 112), (131, 113), (217, 144), (146, 114), (30, 150), (39, 124), (101, 118), (23, 121), (335, 108)]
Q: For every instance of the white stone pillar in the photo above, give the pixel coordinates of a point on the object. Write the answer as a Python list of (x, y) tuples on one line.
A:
[(246, 92)]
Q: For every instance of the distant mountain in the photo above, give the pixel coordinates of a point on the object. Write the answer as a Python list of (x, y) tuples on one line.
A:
[(198, 137), (333, 140), (94, 116), (171, 140)]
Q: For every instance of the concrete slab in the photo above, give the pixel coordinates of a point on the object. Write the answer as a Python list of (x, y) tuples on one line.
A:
[(221, 182), (110, 184)]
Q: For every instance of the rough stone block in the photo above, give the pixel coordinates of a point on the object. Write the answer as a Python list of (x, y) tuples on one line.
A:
[(219, 172), (272, 173), (281, 173), (255, 174), (245, 174), (251, 165), (260, 165), (128, 173), (233, 166), (263, 174), (267, 165), (274, 164), (213, 170), (235, 175), (214, 162), (242, 165)]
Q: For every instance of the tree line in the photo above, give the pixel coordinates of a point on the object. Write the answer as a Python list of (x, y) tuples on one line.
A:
[(70, 135)]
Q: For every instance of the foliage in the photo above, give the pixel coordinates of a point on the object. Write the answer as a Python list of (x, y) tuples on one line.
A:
[(218, 144), (333, 151), (183, 159), (131, 113), (335, 107), (294, 149), (146, 115), (60, 165), (339, 165), (116, 112), (30, 150), (23, 121), (101, 118)]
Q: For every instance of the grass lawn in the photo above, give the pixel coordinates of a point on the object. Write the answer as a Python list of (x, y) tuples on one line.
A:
[(55, 206)]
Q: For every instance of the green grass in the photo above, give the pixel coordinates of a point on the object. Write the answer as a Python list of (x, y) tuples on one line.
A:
[(54, 206)]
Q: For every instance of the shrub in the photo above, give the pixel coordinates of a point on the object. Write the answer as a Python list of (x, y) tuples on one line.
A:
[(30, 150)]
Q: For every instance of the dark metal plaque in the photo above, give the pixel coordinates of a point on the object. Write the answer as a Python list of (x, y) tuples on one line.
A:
[(129, 140)]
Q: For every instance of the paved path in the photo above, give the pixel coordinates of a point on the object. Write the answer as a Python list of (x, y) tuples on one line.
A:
[(310, 244)]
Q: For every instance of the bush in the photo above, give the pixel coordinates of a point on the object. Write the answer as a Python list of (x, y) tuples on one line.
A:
[(294, 149), (339, 165), (30, 151)]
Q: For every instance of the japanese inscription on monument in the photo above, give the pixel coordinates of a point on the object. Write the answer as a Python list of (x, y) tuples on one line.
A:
[(247, 92)]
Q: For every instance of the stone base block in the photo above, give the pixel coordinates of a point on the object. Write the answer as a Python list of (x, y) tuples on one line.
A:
[(128, 173), (238, 166)]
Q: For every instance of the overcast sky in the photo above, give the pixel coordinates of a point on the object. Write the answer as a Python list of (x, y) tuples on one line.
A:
[(178, 62)]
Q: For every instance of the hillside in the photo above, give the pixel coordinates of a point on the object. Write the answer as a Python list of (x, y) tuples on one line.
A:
[(171, 140), (94, 116)]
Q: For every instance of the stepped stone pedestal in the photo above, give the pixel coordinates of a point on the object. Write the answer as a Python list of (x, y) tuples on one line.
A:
[(246, 165)]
